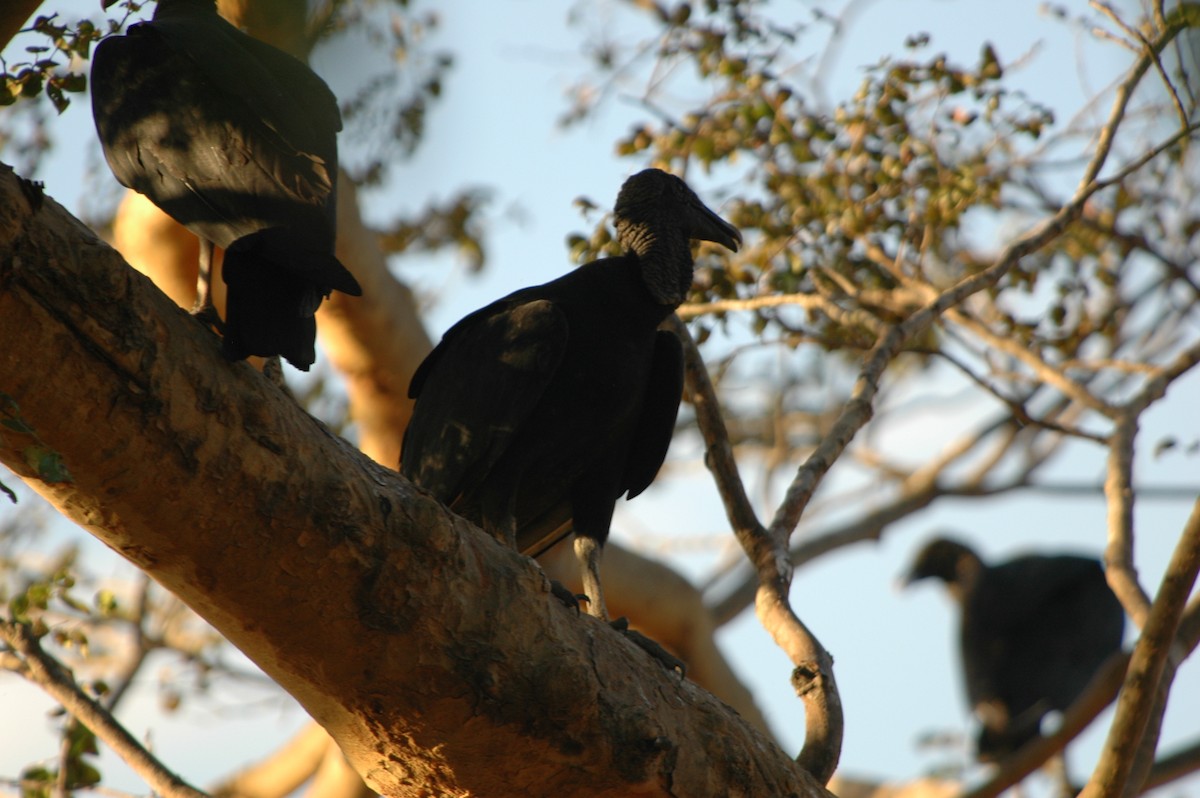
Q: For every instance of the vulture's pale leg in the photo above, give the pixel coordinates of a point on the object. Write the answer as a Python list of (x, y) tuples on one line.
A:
[(587, 551), (204, 309)]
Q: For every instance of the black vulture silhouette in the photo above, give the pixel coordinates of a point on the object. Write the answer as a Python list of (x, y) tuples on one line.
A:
[(237, 141), (536, 413), (1033, 631)]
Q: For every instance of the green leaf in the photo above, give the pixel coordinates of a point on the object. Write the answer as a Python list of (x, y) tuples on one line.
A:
[(73, 81), (18, 607), (47, 463), (36, 782), (17, 425), (106, 602)]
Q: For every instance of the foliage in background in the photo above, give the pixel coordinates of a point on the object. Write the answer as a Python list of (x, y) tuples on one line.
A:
[(856, 215)]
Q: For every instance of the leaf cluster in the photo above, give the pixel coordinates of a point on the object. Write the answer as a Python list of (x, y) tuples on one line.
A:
[(855, 216), (61, 45)]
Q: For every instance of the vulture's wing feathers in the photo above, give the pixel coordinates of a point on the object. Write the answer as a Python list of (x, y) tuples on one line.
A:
[(660, 407), (1034, 633), (1019, 593), (213, 141), (477, 387), (299, 105)]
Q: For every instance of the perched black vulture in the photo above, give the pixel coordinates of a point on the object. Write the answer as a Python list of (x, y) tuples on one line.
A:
[(1033, 631), (537, 412), (238, 142)]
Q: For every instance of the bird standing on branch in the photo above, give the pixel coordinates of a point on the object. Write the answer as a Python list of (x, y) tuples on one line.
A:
[(237, 141), (1033, 631), (536, 413)]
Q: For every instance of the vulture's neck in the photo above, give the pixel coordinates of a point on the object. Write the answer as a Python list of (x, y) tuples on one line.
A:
[(666, 260), (967, 571)]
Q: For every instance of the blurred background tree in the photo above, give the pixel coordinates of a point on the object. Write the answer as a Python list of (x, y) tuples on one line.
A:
[(841, 330)]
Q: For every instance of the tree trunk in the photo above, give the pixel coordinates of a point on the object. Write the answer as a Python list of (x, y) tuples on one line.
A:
[(433, 655)]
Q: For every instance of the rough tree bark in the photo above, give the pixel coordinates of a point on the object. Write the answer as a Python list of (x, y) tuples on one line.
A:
[(434, 656)]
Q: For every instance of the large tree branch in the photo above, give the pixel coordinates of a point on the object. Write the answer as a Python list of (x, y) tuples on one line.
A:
[(13, 15), (669, 610), (434, 656)]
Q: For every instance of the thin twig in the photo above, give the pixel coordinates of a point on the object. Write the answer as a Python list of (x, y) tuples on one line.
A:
[(843, 316), (1044, 371), (142, 646), (1135, 35), (1174, 766), (48, 673)]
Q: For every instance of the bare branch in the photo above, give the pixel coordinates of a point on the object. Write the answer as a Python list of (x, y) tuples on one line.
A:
[(1118, 485), (1135, 35), (1046, 372), (1088, 183), (847, 317), (1144, 679), (1118, 554), (1174, 766), (120, 684), (813, 675), (44, 671)]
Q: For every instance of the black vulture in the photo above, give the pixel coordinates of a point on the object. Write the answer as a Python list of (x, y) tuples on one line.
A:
[(1033, 631), (536, 413), (237, 141)]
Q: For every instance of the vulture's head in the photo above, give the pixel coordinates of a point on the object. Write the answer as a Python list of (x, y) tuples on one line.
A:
[(654, 202), (948, 560), (656, 217)]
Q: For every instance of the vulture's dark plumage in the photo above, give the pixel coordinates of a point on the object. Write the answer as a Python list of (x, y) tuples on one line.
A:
[(1033, 631), (237, 141), (536, 413)]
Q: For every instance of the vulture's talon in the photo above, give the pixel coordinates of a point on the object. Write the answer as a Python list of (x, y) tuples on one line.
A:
[(655, 650), (569, 599), (208, 316)]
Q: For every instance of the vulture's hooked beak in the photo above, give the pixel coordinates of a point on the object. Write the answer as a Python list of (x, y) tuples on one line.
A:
[(707, 226)]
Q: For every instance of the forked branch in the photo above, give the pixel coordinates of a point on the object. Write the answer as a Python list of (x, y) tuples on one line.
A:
[(813, 674), (46, 672)]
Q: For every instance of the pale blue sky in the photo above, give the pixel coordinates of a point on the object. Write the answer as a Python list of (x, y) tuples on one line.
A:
[(496, 127)]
